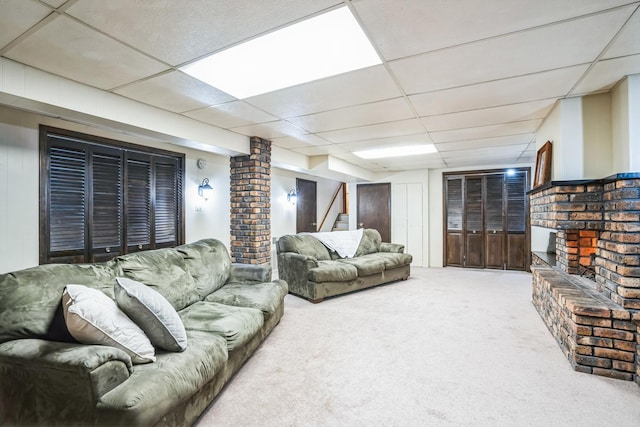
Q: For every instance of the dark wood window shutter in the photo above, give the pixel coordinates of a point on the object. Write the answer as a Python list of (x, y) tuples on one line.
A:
[(67, 209), (494, 203), (516, 203), (102, 198), (166, 202), (138, 203)]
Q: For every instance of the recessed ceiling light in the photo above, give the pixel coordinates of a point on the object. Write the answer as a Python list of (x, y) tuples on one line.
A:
[(323, 46), (411, 150)]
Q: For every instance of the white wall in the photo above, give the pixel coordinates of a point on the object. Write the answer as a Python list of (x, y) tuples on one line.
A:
[(598, 158), (625, 111), (19, 186)]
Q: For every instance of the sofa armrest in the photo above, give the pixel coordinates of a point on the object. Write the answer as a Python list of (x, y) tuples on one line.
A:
[(294, 268), (45, 377), (250, 273), (391, 247)]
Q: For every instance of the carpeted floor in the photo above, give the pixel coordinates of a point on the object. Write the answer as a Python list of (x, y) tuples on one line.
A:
[(448, 347)]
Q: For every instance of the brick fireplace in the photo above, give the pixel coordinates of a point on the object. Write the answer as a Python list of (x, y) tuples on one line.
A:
[(589, 293)]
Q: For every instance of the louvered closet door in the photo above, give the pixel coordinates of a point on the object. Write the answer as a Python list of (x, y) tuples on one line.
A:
[(474, 223), (454, 210), (517, 238), (486, 220), (494, 221)]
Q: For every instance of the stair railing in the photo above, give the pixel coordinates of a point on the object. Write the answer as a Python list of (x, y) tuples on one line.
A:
[(343, 187)]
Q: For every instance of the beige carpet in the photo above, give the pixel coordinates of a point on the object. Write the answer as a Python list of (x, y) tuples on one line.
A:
[(448, 347)]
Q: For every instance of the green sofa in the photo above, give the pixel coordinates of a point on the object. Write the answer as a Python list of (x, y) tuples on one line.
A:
[(314, 272), (48, 379)]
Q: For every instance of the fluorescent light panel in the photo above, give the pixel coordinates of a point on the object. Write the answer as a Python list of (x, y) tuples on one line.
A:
[(323, 46), (412, 150)]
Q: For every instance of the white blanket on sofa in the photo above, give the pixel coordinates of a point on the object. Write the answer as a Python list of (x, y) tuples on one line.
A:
[(345, 243)]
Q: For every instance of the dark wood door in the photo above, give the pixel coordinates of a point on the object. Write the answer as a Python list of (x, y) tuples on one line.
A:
[(374, 208), (453, 231), (518, 251), (486, 220), (306, 206)]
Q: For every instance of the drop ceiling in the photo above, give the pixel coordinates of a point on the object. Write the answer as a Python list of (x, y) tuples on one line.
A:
[(475, 78)]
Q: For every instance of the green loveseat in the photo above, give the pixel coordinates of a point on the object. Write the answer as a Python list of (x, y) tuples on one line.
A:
[(48, 379), (314, 272)]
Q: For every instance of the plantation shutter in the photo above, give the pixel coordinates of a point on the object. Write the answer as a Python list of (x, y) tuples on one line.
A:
[(106, 223), (138, 202), (104, 198), (67, 208), (166, 201)]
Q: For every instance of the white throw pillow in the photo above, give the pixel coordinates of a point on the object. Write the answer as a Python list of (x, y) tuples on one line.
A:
[(153, 313), (94, 318)]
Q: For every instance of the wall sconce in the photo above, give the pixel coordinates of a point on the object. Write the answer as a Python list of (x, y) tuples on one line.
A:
[(205, 190), (292, 197)]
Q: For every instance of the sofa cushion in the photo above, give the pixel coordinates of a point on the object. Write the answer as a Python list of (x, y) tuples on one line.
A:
[(366, 264), (304, 244), (154, 389), (332, 271), (208, 262), (393, 259), (165, 271), (262, 296), (31, 299), (370, 243), (152, 313), (236, 324), (94, 318)]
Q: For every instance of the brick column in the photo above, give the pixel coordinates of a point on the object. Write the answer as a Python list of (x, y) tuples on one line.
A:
[(251, 204)]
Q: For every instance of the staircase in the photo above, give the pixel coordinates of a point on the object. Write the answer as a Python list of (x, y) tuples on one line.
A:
[(342, 223)]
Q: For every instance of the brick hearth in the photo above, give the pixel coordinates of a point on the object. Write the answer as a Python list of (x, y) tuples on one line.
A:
[(596, 323)]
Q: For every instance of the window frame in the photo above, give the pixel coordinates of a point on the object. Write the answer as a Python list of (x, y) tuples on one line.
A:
[(46, 136)]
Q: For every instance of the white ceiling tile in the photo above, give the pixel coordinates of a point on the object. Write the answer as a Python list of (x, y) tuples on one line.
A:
[(515, 54), (548, 84), (418, 26), (231, 114), (269, 130), (489, 131), (487, 116), (356, 116), (17, 16), (299, 141), (175, 91), (382, 130), (485, 153), (357, 87), (54, 3), (495, 142), (320, 150), (628, 41), (70, 49), (397, 141), (605, 74), (483, 162), (181, 31)]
